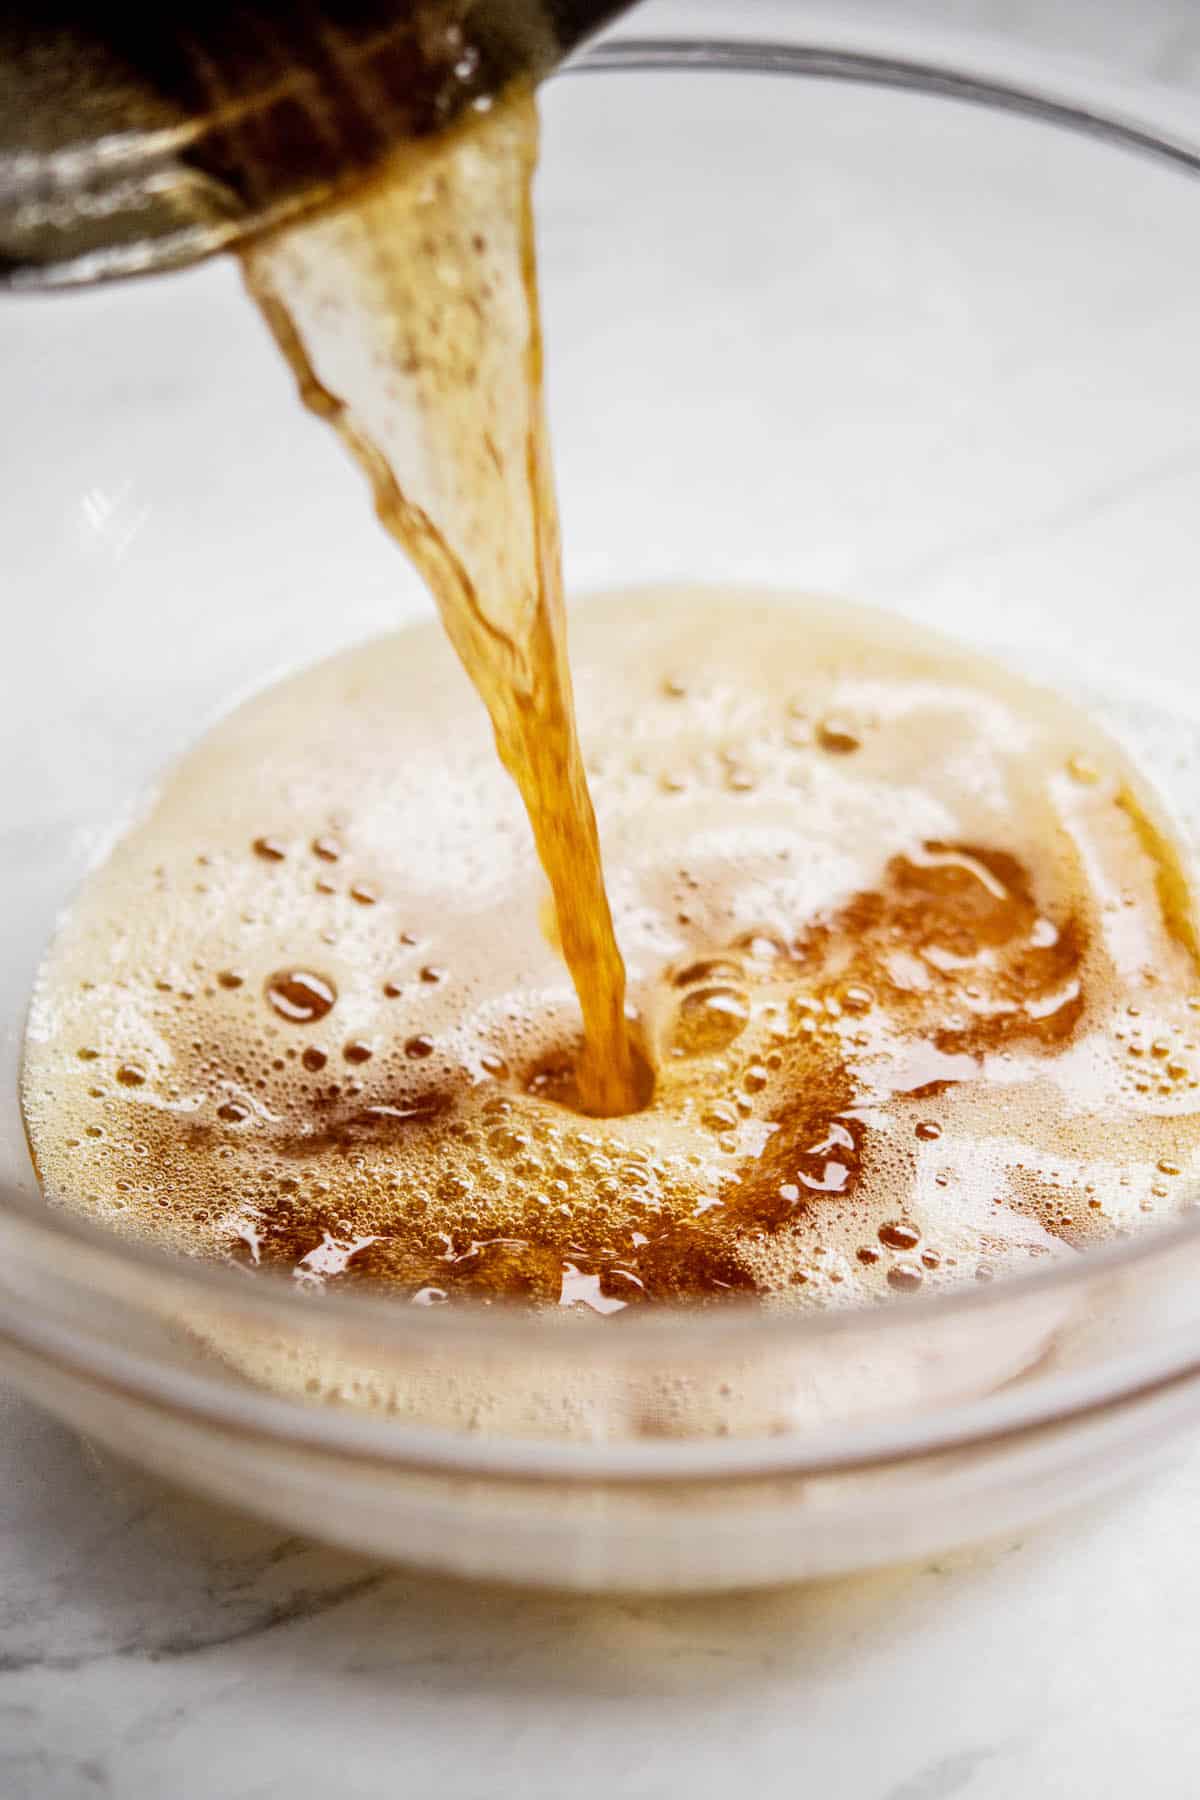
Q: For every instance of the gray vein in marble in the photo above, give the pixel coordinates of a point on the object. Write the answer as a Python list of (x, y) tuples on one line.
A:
[(303, 1605), (942, 1779), (46, 1775)]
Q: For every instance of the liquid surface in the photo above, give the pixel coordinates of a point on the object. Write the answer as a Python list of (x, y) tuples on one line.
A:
[(410, 320), (912, 952)]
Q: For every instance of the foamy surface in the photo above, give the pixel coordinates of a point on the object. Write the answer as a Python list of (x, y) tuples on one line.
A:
[(911, 949)]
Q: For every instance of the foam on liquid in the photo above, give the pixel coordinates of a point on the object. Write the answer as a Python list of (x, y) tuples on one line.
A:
[(911, 950)]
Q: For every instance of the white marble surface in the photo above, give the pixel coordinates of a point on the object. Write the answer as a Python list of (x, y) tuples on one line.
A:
[(152, 1646)]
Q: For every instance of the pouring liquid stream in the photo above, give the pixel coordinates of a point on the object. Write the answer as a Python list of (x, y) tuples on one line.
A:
[(409, 317)]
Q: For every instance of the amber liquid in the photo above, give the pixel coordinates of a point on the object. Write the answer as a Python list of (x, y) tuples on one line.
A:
[(410, 320)]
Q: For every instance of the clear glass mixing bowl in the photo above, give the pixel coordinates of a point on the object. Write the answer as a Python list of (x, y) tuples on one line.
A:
[(881, 316)]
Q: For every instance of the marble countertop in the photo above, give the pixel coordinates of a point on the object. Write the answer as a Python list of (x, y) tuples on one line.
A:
[(152, 1645)]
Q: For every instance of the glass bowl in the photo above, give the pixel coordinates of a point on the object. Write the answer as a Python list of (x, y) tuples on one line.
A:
[(872, 317)]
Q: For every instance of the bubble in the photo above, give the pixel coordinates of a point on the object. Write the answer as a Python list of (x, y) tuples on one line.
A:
[(432, 973), (1168, 1166), (837, 736), (129, 1075), (363, 893), (299, 996), (327, 848), (755, 1078), (269, 849), (708, 1020), (233, 1112), (87, 1054), (897, 1234), (228, 978), (357, 1052), (1082, 769), (419, 1046), (762, 946), (493, 1065), (928, 1131), (507, 1142), (905, 1277)]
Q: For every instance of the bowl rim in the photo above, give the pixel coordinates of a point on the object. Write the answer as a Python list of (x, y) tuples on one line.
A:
[(1081, 107), (29, 1223)]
